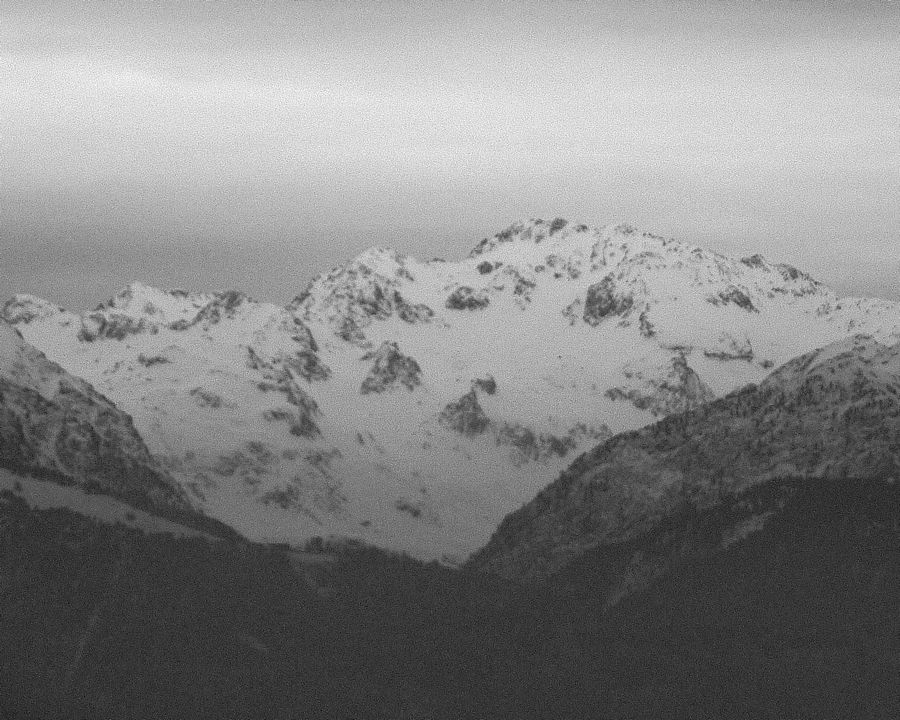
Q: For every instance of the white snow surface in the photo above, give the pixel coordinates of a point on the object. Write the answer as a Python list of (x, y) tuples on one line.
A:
[(580, 329)]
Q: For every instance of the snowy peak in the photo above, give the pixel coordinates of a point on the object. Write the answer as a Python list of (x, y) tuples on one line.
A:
[(369, 288), (533, 231), (23, 309), (138, 300), (586, 275), (631, 256), (141, 308)]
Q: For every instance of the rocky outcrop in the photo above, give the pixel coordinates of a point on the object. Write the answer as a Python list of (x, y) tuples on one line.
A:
[(603, 299), (531, 446), (224, 305), (303, 361), (734, 296), (522, 285), (280, 375), (465, 415), (390, 369), (556, 225), (112, 326), (149, 361), (730, 347), (534, 231), (139, 308), (209, 399), (465, 298), (678, 390), (302, 410), (24, 309), (563, 266), (487, 384), (412, 314), (352, 296), (315, 497)]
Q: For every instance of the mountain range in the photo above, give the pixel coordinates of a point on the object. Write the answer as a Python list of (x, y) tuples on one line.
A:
[(413, 405), (627, 478)]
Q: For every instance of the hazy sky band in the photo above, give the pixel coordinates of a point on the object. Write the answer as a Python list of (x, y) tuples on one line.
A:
[(299, 133)]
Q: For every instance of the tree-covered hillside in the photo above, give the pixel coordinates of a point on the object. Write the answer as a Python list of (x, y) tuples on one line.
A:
[(798, 619)]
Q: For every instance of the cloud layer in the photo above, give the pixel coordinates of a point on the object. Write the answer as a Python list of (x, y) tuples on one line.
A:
[(182, 143)]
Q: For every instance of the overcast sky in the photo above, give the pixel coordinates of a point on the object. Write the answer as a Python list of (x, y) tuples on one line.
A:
[(253, 144)]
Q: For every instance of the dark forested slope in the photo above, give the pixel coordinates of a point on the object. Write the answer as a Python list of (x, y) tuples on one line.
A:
[(797, 619)]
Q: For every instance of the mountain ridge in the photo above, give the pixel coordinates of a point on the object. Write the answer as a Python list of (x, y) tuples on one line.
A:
[(831, 414), (57, 426)]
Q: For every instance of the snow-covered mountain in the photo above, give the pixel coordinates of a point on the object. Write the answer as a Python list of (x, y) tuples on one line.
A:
[(829, 415), (414, 404), (56, 426)]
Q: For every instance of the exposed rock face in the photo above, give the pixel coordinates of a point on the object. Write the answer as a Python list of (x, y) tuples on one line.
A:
[(465, 415), (313, 497), (735, 296), (531, 446), (419, 509), (208, 399), (55, 426), (644, 324), (302, 362), (678, 391), (465, 298), (556, 225), (487, 385), (302, 410), (390, 368), (113, 326), (730, 348), (23, 309), (563, 267), (522, 284), (349, 298), (832, 414), (151, 360), (603, 300), (412, 314), (223, 305), (536, 231)]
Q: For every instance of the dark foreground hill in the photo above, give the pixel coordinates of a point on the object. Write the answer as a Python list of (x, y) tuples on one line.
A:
[(797, 619), (830, 414)]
